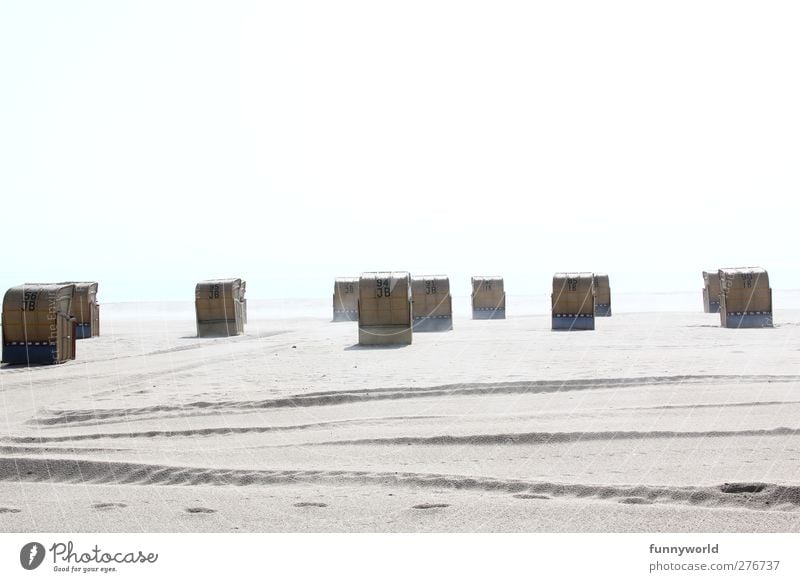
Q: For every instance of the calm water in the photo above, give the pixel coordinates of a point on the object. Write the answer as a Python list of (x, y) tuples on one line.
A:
[(515, 305)]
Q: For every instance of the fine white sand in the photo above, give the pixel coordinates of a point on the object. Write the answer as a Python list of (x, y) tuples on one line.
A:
[(652, 422)]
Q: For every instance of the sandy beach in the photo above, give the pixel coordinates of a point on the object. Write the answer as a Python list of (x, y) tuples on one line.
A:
[(655, 421)]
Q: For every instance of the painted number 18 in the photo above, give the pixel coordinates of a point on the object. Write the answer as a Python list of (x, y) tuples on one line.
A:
[(382, 288)]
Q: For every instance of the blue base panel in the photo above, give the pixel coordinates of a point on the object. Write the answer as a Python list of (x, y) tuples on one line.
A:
[(572, 322), (488, 313), (83, 331), (739, 320), (424, 324), (602, 310), (345, 315), (19, 353), (713, 306)]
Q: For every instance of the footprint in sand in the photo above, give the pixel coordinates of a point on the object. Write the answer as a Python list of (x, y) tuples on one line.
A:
[(636, 501), (310, 504), (742, 487), (9, 510), (108, 506), (200, 510), (431, 506), (530, 496)]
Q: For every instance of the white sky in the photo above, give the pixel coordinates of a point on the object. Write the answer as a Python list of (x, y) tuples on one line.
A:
[(148, 145)]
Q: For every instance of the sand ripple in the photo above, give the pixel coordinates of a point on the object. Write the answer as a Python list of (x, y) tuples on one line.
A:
[(755, 496), (332, 398)]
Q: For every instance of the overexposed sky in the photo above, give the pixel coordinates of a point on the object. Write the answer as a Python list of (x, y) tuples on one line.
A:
[(148, 145)]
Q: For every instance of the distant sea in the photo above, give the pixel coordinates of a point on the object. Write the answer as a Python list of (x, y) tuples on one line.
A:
[(515, 305)]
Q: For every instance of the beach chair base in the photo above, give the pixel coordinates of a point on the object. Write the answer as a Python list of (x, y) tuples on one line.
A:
[(568, 322), (21, 353), (488, 313), (602, 310), (740, 320), (83, 331), (436, 323), (384, 335), (218, 328)]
